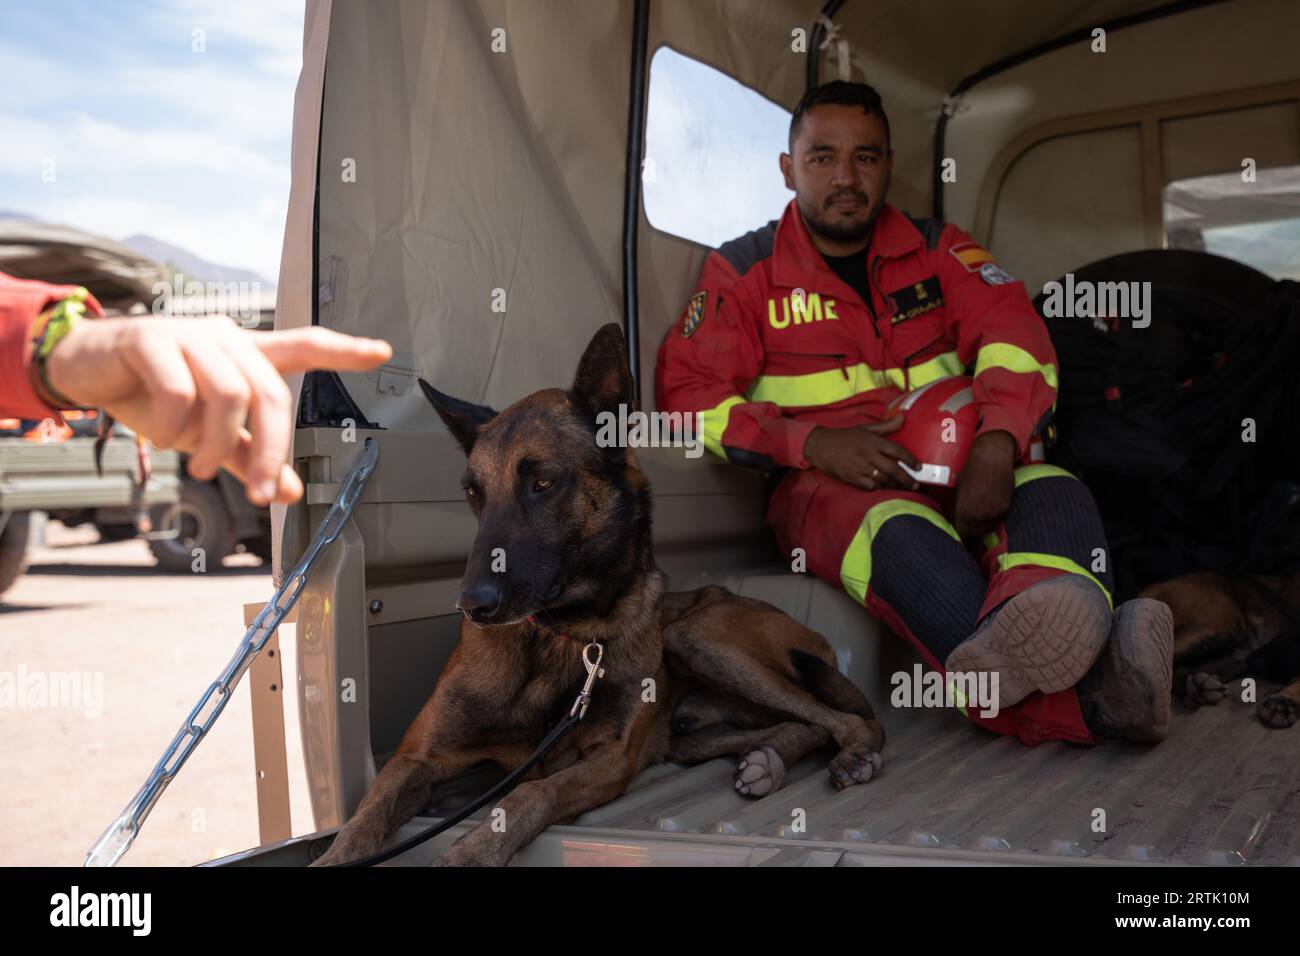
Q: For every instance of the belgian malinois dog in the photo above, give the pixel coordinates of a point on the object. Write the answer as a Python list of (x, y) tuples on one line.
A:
[(1226, 627), (562, 558)]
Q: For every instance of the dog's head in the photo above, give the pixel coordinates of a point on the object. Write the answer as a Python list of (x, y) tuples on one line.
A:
[(561, 519)]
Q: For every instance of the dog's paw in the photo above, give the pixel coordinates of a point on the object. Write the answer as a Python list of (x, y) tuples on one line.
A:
[(856, 763), (1200, 688), (760, 772), (337, 852), (1277, 712)]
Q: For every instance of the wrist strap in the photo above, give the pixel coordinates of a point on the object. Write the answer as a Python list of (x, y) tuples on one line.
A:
[(49, 330)]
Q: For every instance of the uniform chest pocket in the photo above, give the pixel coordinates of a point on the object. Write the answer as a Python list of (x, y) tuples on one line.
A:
[(918, 322), (801, 358)]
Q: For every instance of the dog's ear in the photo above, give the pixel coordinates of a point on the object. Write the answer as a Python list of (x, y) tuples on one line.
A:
[(604, 380), (463, 419)]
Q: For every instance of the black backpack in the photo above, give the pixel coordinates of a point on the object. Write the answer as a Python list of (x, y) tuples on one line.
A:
[(1152, 419)]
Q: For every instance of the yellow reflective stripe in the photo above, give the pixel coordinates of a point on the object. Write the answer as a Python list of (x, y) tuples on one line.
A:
[(958, 696), (1020, 558), (1014, 359), (714, 422), (837, 384), (1032, 472), (941, 366), (855, 566)]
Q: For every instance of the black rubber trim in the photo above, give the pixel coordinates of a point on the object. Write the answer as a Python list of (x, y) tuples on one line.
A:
[(632, 189), (1001, 66), (324, 401), (812, 69)]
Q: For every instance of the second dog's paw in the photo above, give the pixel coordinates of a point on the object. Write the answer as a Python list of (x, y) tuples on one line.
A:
[(1200, 688), (760, 772), (1277, 712), (856, 763)]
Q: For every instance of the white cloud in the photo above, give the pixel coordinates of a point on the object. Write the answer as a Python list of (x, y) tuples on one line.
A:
[(152, 137), (219, 96), (275, 26), (88, 143)]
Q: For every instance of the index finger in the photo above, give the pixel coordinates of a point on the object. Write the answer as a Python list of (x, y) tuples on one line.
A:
[(300, 350), (898, 453)]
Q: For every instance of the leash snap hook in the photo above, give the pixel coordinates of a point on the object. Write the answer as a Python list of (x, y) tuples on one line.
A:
[(594, 671)]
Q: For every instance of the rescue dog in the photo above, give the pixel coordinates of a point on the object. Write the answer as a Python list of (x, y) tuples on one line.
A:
[(1226, 628), (688, 676)]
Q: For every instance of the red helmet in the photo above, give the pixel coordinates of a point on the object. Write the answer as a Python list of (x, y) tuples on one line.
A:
[(939, 423)]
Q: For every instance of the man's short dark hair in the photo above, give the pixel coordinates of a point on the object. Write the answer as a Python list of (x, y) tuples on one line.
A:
[(840, 93)]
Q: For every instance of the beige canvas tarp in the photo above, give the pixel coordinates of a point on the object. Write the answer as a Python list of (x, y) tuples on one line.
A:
[(471, 161)]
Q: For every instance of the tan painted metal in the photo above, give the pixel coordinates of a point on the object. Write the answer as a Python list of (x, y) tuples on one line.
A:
[(1148, 117), (270, 759)]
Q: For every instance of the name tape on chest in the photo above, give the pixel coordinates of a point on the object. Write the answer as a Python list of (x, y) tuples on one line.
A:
[(916, 299)]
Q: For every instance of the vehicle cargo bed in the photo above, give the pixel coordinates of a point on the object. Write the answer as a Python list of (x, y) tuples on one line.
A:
[(1221, 789)]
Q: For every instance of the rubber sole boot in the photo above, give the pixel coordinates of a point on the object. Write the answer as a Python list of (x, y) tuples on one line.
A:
[(1128, 691), (1045, 638)]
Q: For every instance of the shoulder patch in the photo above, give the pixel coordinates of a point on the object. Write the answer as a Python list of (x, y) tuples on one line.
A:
[(971, 255), (994, 274), (749, 249), (694, 313)]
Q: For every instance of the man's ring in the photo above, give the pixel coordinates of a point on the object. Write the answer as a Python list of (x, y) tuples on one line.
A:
[(875, 472)]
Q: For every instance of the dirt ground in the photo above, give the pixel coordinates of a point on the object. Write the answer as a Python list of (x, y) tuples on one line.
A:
[(158, 640)]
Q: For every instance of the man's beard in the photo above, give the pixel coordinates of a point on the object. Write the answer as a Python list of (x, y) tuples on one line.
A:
[(841, 231)]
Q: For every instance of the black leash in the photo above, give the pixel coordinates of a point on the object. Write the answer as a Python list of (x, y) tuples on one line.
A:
[(571, 720)]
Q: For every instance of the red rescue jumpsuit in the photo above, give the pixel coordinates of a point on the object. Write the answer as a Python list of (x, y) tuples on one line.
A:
[(773, 344), (22, 302)]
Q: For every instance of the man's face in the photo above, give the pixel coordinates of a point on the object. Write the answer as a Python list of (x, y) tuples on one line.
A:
[(839, 171)]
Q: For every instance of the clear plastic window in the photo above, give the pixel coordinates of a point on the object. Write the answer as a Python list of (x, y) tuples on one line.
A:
[(711, 170), (1256, 222)]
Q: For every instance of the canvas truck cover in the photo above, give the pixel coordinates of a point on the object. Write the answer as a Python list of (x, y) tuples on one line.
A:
[(432, 174)]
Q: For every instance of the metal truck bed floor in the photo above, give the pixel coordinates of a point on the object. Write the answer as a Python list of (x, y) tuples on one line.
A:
[(1222, 789)]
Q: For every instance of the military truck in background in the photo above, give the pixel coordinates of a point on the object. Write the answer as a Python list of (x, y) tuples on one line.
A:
[(47, 468), (42, 474)]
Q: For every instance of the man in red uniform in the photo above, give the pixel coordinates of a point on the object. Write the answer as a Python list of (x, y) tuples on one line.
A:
[(799, 336)]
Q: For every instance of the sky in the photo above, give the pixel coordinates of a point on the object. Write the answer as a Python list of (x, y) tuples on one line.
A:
[(148, 127), (712, 150)]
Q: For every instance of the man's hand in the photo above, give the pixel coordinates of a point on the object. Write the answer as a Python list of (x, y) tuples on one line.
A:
[(985, 485), (860, 457), (207, 387)]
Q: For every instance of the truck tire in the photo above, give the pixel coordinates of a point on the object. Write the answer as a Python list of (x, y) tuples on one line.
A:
[(13, 548), (260, 546), (204, 524), (115, 532)]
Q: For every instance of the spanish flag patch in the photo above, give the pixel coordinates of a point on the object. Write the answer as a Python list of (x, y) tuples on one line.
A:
[(971, 255)]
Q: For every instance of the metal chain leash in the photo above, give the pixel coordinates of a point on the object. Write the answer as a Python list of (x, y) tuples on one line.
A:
[(121, 833)]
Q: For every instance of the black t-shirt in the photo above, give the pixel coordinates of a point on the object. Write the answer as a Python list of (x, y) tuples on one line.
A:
[(853, 270)]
